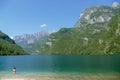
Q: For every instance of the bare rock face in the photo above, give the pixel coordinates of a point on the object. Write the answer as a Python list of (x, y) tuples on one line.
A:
[(26, 39), (97, 14), (116, 5)]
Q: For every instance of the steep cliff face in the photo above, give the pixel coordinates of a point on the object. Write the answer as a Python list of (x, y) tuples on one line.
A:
[(116, 5), (97, 14), (27, 39), (8, 46)]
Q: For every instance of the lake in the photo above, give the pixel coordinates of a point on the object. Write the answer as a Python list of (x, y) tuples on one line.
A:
[(49, 65)]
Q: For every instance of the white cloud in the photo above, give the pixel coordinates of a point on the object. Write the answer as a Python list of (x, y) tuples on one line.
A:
[(43, 25)]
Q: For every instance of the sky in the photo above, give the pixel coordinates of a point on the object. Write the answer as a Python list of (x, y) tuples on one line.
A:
[(18, 17)]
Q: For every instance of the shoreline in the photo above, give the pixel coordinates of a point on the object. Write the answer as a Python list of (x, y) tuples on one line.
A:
[(99, 76)]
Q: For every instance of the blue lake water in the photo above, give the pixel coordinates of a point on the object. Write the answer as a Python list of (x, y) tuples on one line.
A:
[(47, 64)]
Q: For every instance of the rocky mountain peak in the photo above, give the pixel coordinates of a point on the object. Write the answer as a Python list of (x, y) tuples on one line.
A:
[(26, 39), (97, 14), (116, 5)]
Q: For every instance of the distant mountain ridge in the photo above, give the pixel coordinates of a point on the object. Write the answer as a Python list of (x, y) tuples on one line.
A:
[(26, 39)]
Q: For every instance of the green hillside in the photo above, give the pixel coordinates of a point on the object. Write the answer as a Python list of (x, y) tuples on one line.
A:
[(97, 38), (8, 46)]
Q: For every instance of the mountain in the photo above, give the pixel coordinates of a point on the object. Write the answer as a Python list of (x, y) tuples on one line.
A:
[(96, 32), (24, 40), (31, 41), (8, 46), (116, 5), (97, 14)]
